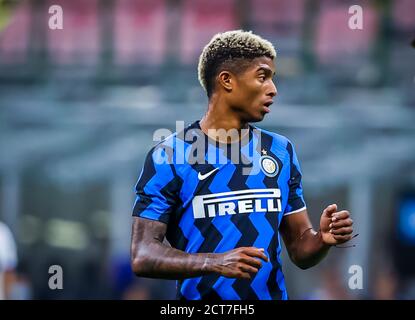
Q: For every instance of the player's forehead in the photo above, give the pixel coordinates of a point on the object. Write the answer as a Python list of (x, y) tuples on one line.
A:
[(265, 64)]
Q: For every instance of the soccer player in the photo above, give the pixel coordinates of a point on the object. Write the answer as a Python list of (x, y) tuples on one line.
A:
[(223, 218)]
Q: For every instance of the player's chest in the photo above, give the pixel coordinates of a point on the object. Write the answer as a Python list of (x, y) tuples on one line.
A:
[(230, 188)]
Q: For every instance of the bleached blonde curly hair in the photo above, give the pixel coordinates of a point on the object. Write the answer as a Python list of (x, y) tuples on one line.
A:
[(228, 50)]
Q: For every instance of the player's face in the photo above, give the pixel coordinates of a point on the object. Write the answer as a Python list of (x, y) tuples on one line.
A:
[(254, 90)]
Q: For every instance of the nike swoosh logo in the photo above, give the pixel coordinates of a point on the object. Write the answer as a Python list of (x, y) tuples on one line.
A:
[(204, 176)]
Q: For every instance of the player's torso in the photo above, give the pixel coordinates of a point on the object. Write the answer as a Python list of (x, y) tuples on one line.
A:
[(234, 187), (229, 203)]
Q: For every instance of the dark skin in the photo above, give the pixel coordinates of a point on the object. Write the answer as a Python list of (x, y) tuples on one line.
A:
[(237, 100), (152, 258)]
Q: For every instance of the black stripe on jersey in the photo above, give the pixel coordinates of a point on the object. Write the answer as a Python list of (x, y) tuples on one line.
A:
[(272, 284), (148, 172), (174, 233), (248, 231), (266, 142), (205, 287), (272, 219), (206, 228), (212, 238), (294, 183), (169, 191)]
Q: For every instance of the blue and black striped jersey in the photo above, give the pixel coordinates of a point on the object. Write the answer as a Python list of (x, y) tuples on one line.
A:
[(221, 204)]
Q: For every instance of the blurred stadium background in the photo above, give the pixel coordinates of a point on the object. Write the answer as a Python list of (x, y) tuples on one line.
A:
[(78, 108)]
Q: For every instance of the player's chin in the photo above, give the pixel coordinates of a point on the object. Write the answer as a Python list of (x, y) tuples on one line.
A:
[(258, 116)]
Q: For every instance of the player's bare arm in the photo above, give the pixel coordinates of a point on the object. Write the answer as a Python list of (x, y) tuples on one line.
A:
[(307, 247), (150, 257)]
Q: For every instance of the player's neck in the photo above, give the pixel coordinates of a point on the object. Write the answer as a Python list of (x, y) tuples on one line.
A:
[(219, 117)]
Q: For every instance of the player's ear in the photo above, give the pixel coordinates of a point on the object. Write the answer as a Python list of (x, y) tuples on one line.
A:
[(225, 79)]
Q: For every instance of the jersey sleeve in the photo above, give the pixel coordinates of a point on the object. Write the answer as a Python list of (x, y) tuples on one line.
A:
[(295, 201), (157, 187)]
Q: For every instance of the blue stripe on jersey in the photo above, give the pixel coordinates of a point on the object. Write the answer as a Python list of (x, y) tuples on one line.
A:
[(265, 231), (278, 148), (280, 276), (296, 199), (163, 176), (225, 226), (190, 231)]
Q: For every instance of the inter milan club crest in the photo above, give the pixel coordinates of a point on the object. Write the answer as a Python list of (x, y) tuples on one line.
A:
[(268, 165)]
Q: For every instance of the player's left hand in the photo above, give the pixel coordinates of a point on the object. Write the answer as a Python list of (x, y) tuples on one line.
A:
[(335, 227)]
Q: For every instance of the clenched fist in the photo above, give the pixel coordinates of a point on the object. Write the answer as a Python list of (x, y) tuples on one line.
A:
[(335, 226)]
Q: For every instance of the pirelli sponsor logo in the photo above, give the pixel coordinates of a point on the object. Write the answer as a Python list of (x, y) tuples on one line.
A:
[(236, 202)]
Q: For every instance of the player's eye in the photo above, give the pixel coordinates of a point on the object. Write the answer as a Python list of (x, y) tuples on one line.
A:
[(262, 77)]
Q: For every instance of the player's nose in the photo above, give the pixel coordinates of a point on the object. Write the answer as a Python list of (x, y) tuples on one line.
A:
[(272, 91)]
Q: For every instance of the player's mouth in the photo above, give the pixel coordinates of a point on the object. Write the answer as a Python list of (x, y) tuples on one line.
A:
[(266, 106)]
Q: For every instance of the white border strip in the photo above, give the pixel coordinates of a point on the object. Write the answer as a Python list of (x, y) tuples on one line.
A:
[(295, 211)]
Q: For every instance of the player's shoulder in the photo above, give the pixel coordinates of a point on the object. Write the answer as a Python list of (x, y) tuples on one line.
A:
[(172, 144), (167, 142), (277, 139), (163, 151)]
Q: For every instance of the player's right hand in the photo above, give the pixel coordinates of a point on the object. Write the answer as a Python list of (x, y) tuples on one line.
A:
[(241, 262)]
